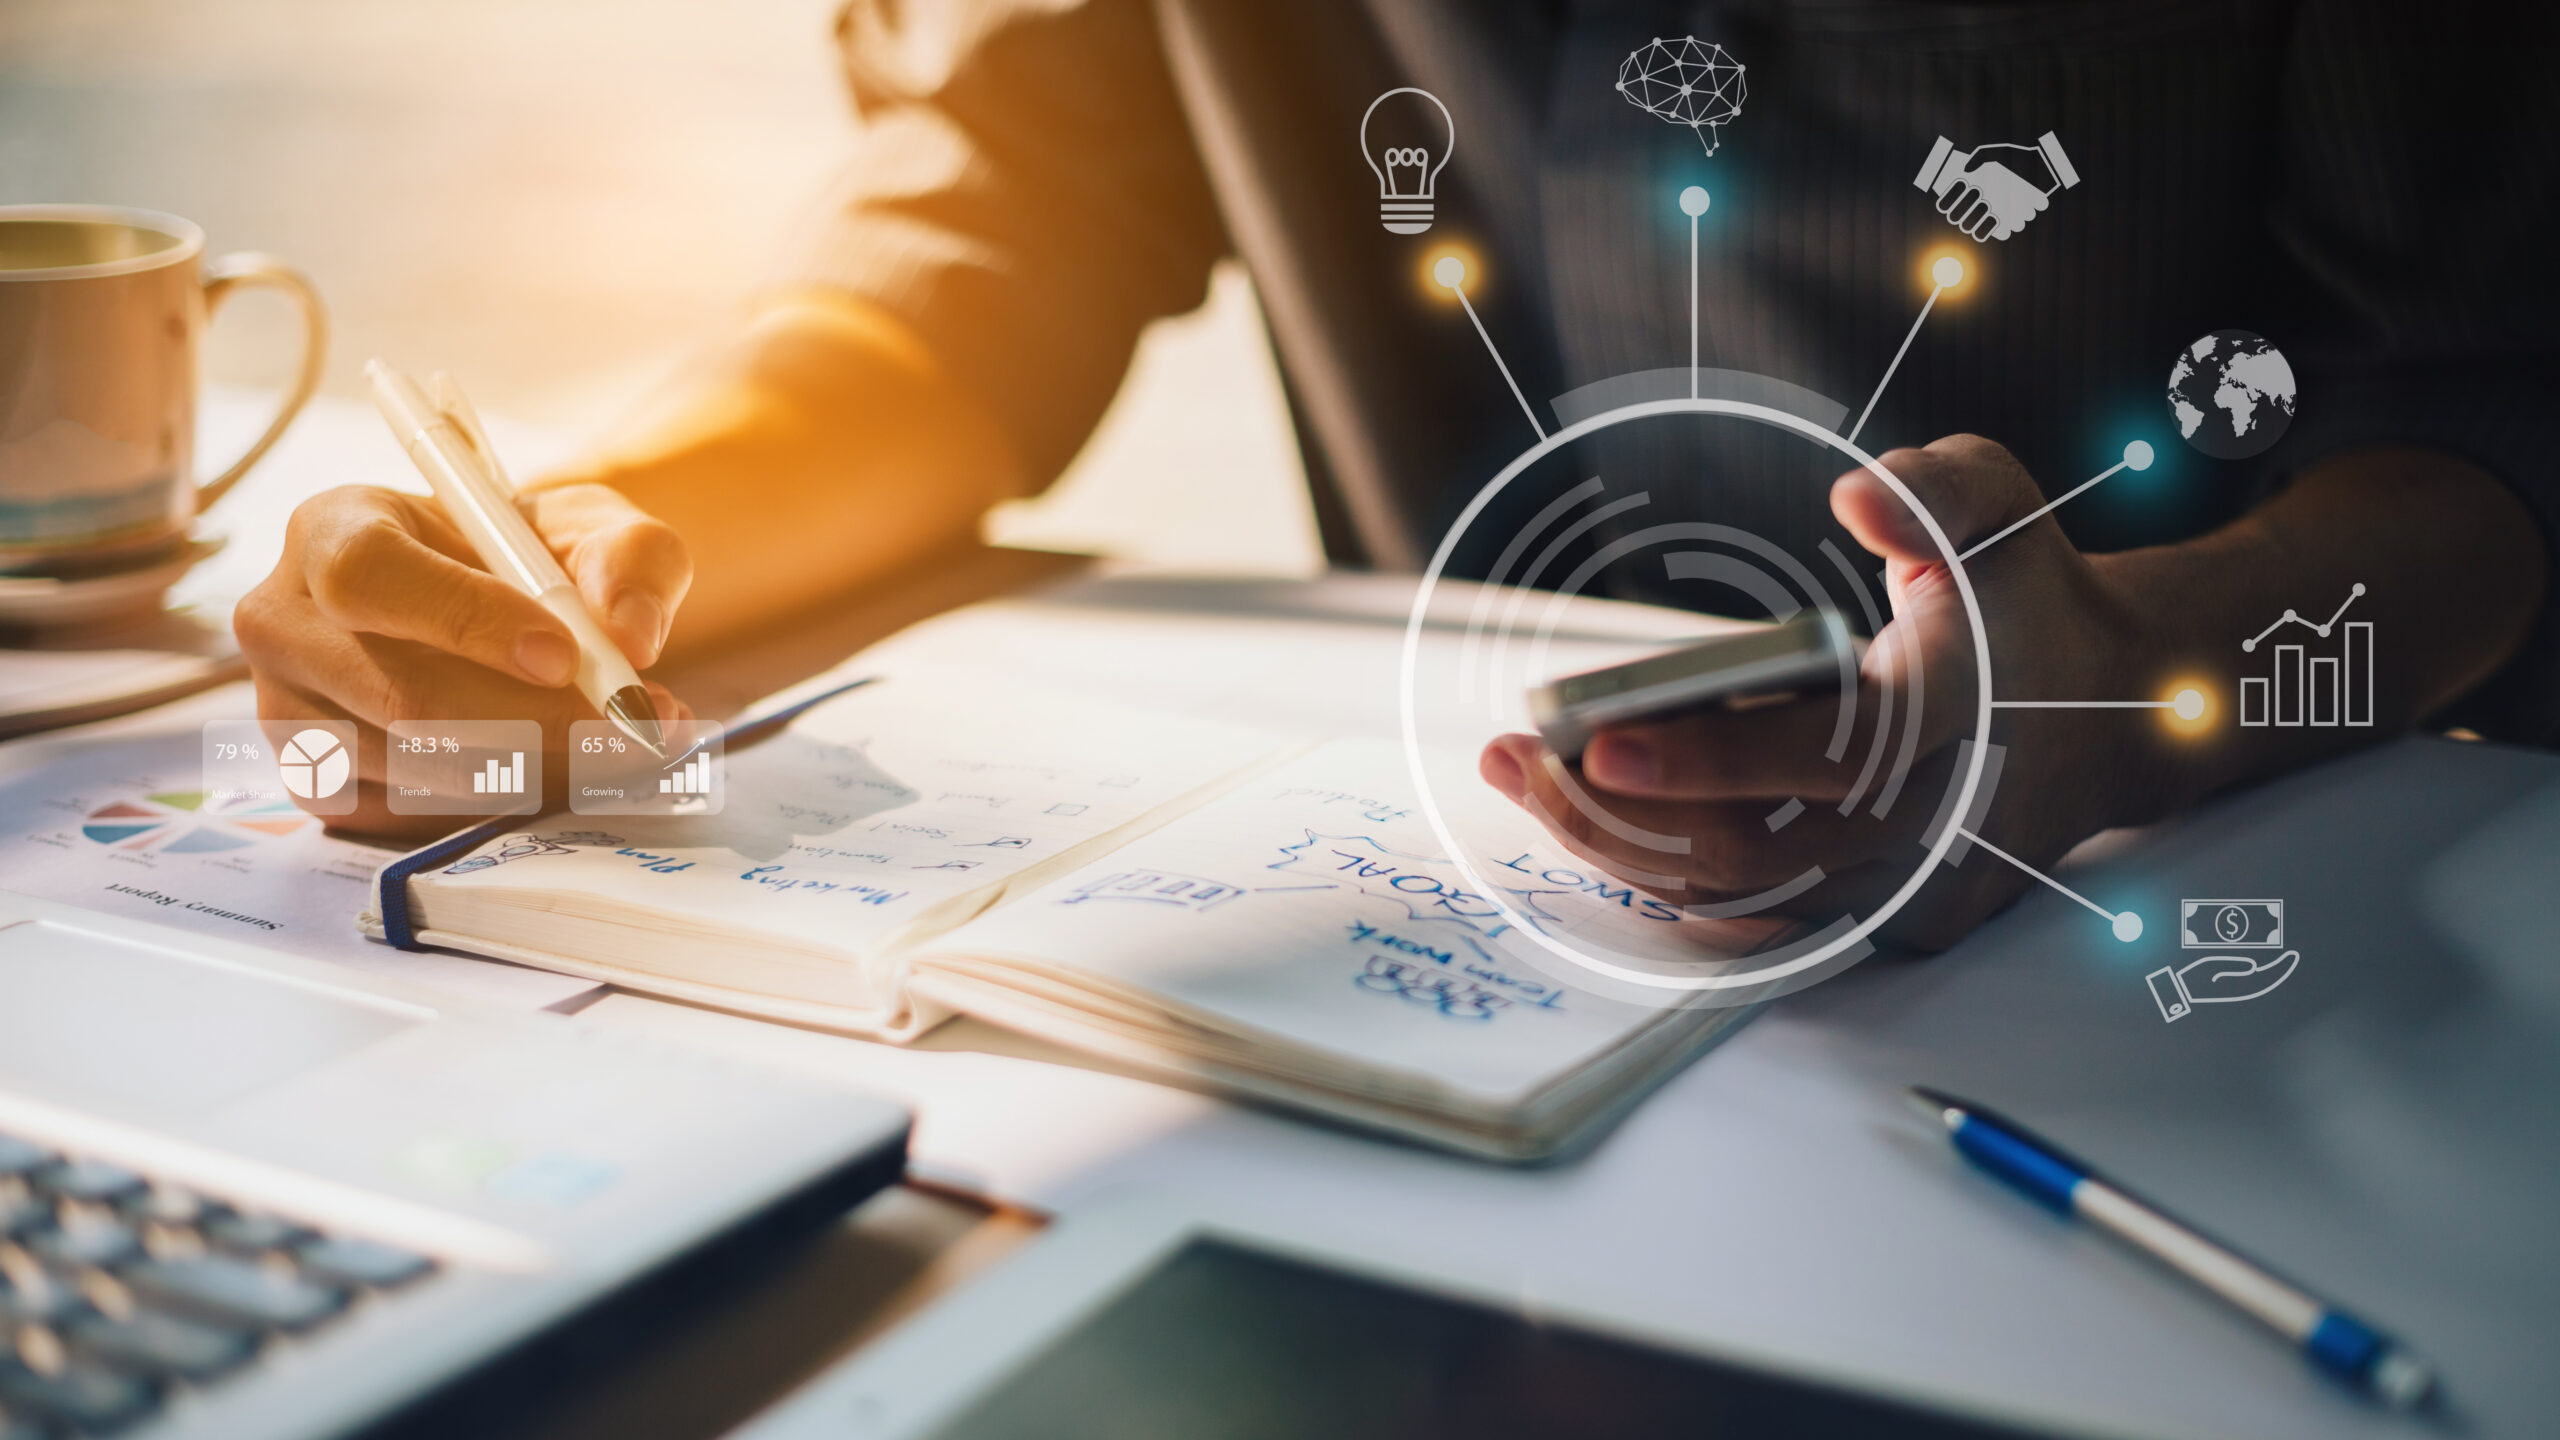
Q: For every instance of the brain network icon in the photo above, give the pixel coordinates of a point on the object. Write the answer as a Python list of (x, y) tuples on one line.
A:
[(1685, 82)]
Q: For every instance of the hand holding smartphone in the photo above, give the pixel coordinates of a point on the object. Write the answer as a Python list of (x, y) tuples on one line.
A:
[(1810, 652)]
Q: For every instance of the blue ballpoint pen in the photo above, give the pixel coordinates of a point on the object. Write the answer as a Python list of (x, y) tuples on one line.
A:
[(2333, 1339)]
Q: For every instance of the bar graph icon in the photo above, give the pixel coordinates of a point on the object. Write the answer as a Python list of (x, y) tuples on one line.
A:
[(693, 777), (2303, 689), (497, 779), (607, 776)]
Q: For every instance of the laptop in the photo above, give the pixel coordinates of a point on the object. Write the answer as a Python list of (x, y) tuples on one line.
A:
[(244, 1194)]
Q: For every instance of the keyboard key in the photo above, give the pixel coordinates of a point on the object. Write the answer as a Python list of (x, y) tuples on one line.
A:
[(241, 1292), (91, 1180), (173, 1205), (250, 1234), (347, 1261), (47, 1301), (85, 1397), (162, 1345), (17, 1157), (22, 1212), (87, 1243)]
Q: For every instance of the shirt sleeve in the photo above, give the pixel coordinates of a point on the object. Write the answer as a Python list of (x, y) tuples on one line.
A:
[(2419, 195), (1024, 193)]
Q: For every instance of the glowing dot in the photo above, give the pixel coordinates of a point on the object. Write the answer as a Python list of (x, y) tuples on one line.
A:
[(1451, 271), (2128, 927), (2138, 454), (1693, 201), (2187, 705), (1948, 271)]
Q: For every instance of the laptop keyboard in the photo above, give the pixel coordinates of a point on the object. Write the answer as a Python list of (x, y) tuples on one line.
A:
[(118, 1292)]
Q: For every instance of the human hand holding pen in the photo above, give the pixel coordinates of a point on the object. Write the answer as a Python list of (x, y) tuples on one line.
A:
[(380, 611), (819, 450)]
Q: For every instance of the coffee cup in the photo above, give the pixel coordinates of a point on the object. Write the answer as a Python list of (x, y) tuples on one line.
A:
[(101, 309)]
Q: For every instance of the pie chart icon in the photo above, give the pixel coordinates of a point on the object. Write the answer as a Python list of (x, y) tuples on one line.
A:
[(314, 765)]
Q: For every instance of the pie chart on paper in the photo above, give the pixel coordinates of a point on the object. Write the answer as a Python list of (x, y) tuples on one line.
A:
[(183, 822), (313, 765)]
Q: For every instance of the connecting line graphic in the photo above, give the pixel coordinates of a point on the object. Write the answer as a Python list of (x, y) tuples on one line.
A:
[(1948, 271), (2290, 618), (1693, 203), (2137, 456), (1452, 272), (2084, 704), (2127, 925), (2187, 704)]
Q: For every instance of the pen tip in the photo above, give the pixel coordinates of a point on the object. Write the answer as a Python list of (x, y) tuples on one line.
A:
[(629, 708), (2403, 1380), (1938, 1105)]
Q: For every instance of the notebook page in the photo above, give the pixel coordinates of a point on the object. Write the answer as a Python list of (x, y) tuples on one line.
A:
[(1312, 903), (869, 812)]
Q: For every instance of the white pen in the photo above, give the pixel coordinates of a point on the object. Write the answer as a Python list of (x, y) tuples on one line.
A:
[(444, 440)]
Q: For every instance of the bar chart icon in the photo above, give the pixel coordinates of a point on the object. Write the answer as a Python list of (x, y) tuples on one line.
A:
[(693, 777), (608, 777), (497, 779), (463, 767), (2304, 689)]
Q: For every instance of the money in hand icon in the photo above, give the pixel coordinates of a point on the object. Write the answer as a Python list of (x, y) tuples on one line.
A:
[(2224, 979)]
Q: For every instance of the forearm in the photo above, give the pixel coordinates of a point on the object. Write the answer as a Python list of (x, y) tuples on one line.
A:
[(819, 450), (2453, 570)]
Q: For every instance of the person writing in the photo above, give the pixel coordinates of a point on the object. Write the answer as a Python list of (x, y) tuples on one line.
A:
[(1035, 183)]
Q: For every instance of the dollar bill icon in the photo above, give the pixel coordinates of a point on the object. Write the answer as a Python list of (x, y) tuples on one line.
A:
[(2231, 924)]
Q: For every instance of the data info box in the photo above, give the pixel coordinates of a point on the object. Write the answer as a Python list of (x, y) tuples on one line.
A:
[(612, 774), (465, 767), (310, 765)]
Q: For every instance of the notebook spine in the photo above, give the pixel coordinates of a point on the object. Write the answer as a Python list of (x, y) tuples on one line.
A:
[(391, 882)]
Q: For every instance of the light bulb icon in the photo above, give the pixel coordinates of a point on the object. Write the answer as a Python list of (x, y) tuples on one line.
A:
[(1413, 142)]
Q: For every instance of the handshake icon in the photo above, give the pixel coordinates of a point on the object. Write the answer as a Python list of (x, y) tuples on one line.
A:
[(1990, 193), (2222, 979)]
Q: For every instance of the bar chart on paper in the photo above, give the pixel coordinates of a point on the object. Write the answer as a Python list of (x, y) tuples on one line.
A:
[(2306, 687)]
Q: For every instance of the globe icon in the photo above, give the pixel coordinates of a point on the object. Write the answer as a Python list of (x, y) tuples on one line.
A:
[(2231, 394)]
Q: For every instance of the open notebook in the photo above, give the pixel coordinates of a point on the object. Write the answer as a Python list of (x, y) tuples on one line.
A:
[(1212, 903)]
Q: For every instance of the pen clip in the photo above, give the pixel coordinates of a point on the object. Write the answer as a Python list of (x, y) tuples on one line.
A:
[(455, 406)]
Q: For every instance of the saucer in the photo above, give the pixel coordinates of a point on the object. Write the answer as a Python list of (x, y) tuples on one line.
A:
[(43, 601)]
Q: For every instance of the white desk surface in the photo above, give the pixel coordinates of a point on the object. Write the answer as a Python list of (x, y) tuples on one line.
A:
[(2386, 1126)]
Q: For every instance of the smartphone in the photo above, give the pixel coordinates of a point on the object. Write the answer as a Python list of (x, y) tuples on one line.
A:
[(1807, 653)]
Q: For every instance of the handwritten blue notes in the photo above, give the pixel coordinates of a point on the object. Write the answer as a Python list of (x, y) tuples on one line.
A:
[(1213, 903), (878, 819), (1154, 887), (1460, 981), (1314, 903)]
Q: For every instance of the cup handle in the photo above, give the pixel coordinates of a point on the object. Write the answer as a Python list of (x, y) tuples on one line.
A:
[(252, 268)]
